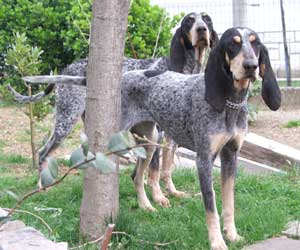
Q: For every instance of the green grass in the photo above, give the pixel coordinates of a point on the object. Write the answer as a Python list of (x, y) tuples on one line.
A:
[(284, 83), (263, 206), (292, 124)]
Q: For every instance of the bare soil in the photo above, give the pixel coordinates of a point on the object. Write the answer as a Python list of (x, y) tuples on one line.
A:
[(14, 131)]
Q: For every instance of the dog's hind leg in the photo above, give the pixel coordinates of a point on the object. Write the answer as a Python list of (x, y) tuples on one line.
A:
[(205, 165), (153, 181), (149, 130), (167, 168), (228, 171)]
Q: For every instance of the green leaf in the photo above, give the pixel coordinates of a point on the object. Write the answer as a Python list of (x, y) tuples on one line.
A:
[(53, 166), (78, 157), (4, 219), (121, 141), (12, 194), (84, 143), (49, 173), (140, 152), (103, 164)]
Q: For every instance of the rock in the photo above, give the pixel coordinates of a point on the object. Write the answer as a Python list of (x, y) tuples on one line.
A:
[(27, 238), (3, 213), (12, 226), (292, 229), (281, 243)]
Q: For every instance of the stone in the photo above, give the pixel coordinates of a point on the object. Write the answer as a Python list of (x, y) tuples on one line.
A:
[(280, 243), (292, 229), (28, 238), (12, 226), (3, 213)]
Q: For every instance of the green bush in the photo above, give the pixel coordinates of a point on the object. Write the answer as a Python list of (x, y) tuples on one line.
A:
[(61, 29)]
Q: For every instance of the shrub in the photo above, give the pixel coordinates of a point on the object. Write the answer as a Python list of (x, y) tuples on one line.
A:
[(61, 29)]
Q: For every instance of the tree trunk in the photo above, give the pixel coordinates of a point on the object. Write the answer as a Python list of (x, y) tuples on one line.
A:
[(100, 202), (286, 52)]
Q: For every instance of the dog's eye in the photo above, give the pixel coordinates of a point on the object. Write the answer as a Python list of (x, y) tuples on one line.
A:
[(191, 19)]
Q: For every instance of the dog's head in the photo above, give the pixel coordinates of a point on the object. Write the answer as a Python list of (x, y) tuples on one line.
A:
[(196, 32), (236, 61)]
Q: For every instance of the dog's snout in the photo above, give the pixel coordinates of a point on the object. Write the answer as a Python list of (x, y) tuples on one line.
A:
[(250, 65), (201, 29)]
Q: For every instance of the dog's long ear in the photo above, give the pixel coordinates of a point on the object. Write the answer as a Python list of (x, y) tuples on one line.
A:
[(218, 79), (177, 52), (213, 39), (270, 90)]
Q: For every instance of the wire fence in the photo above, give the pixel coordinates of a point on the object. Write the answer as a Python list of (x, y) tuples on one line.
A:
[(263, 16)]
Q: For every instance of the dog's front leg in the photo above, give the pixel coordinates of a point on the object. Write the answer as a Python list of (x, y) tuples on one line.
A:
[(228, 171), (212, 217)]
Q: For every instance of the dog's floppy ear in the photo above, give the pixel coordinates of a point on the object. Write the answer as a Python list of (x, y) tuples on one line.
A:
[(218, 79), (213, 39), (270, 90), (177, 52)]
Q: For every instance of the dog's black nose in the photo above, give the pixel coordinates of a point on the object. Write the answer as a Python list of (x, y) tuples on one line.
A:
[(201, 29), (250, 65)]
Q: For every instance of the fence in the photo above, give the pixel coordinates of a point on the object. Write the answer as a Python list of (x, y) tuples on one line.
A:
[(264, 16)]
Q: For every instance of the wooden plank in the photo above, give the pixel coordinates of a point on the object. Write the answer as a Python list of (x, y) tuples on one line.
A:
[(269, 152)]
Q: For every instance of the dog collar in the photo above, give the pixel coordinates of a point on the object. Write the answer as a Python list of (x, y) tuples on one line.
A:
[(234, 105)]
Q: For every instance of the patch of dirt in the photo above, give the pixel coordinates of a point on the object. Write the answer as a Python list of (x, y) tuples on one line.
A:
[(271, 125), (15, 133)]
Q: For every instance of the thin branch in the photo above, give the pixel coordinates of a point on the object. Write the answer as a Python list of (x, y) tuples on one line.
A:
[(80, 31), (158, 34), (159, 244), (88, 243), (145, 241), (76, 166), (107, 236), (135, 55), (32, 214)]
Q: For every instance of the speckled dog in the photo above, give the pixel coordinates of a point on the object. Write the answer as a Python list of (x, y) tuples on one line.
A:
[(192, 38), (206, 114)]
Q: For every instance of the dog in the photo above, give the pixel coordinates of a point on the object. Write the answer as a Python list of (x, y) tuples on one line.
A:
[(204, 113), (195, 35)]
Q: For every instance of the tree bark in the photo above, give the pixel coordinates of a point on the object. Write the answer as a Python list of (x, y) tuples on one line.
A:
[(100, 202)]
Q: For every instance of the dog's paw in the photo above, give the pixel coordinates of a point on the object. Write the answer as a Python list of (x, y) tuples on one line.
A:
[(179, 194), (218, 245), (232, 235), (161, 200)]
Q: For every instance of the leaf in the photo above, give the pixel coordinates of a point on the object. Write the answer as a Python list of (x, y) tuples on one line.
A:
[(121, 141), (103, 164), (12, 194), (53, 167), (78, 157), (84, 143), (49, 173), (140, 152), (4, 219)]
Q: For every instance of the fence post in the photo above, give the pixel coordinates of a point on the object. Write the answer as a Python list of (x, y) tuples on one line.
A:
[(286, 51), (239, 11)]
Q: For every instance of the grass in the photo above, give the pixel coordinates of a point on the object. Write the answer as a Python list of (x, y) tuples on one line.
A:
[(284, 83), (263, 206), (292, 124)]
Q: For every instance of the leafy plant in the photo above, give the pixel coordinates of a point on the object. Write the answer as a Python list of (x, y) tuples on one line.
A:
[(292, 124)]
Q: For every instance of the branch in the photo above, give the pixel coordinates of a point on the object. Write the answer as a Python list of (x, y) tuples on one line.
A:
[(107, 236), (158, 244), (34, 215), (76, 166), (158, 34)]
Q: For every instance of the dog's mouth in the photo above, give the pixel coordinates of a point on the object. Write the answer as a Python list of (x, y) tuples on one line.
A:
[(202, 42)]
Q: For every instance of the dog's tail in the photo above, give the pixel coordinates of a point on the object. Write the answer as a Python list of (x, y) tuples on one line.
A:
[(51, 81)]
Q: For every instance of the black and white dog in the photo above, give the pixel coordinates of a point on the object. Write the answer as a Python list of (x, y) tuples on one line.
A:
[(204, 113), (190, 41)]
